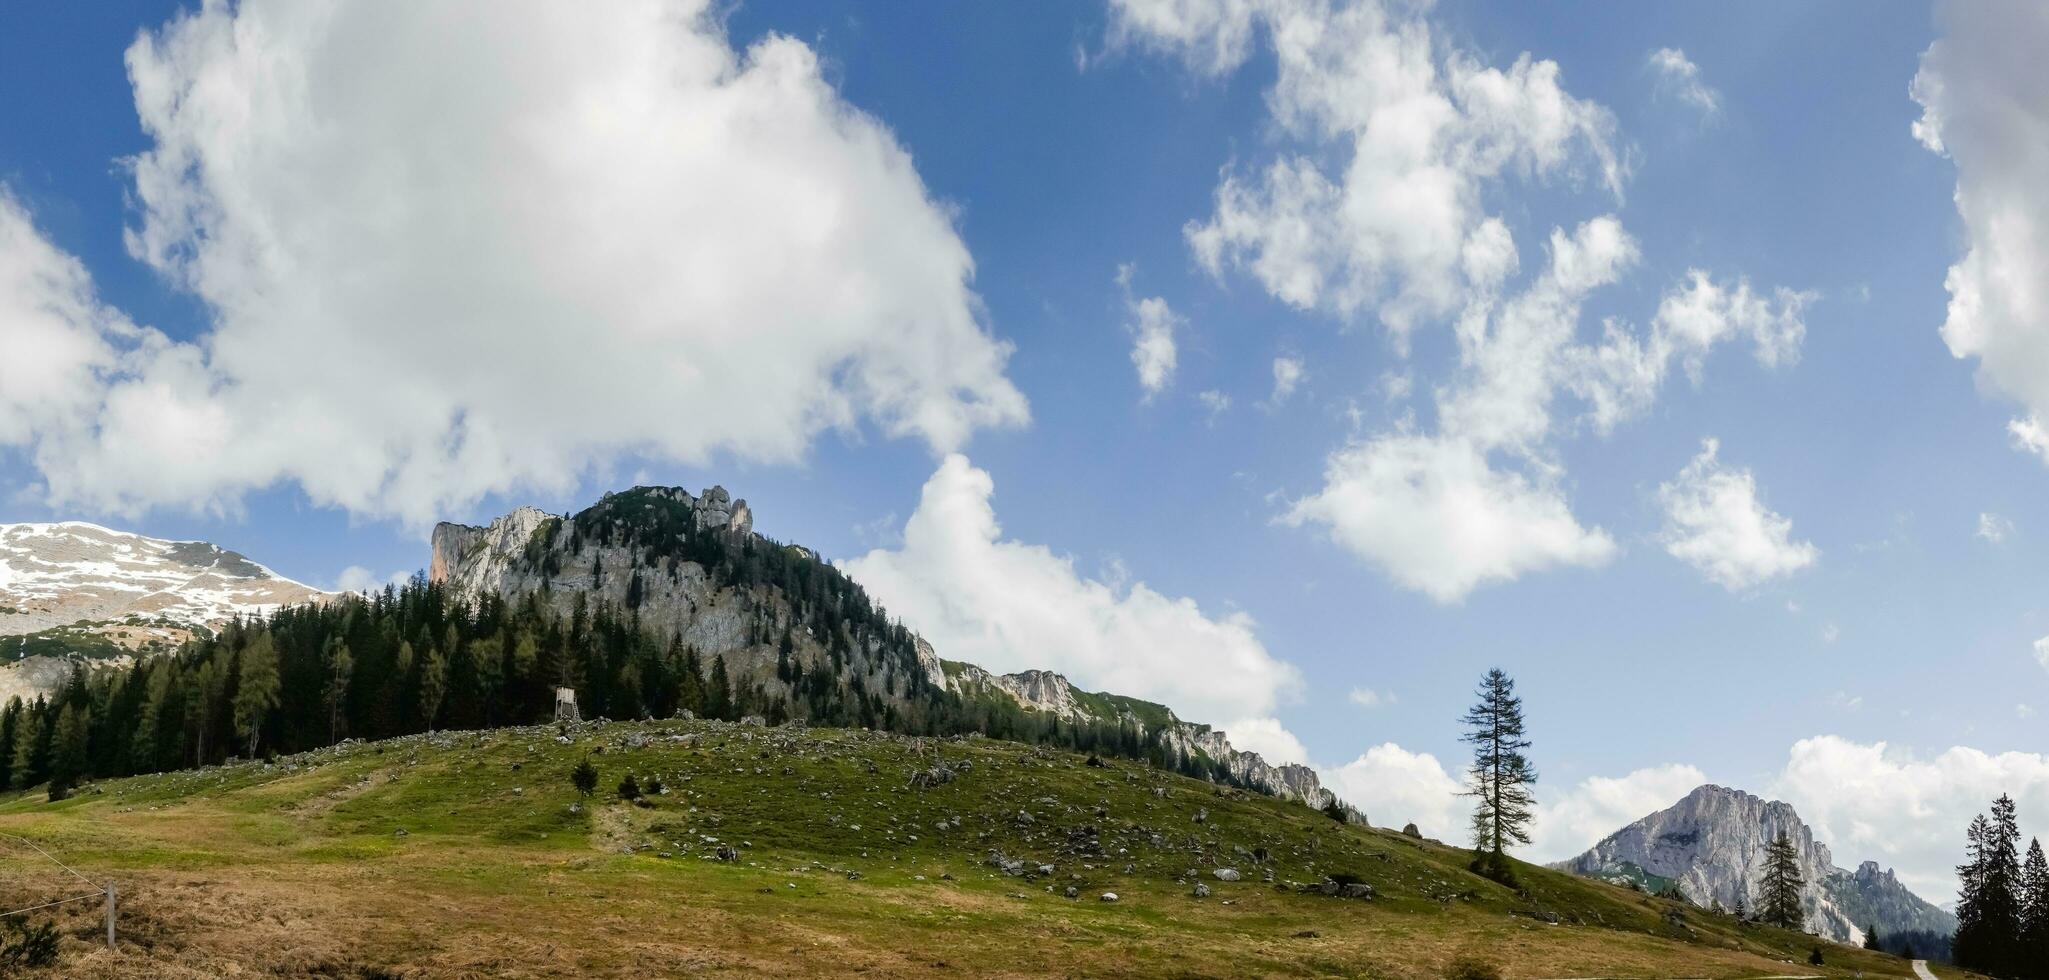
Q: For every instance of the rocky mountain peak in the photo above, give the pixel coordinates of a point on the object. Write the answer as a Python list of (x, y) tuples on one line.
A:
[(59, 575), (1710, 846)]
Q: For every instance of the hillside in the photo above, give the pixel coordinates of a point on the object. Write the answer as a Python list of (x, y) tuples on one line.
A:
[(691, 569), (1710, 844), (464, 854)]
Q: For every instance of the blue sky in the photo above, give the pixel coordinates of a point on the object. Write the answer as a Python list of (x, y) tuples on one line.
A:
[(1057, 145)]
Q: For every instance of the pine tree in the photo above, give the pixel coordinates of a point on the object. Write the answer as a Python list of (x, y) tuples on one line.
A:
[(1781, 883), (256, 689), (1871, 936), (1501, 775), (1968, 947)]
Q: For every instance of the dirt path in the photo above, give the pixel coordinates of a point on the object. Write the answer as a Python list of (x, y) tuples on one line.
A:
[(1921, 970)]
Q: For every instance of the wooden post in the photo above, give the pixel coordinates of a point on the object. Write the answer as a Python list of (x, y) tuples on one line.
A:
[(110, 916)]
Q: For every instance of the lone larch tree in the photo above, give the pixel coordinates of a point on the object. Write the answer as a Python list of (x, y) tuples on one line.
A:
[(1501, 775), (1780, 885)]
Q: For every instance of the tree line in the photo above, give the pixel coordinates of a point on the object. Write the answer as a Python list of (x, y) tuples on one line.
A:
[(416, 657), (2003, 904)]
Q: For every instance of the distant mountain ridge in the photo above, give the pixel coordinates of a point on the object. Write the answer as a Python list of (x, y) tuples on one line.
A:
[(79, 589), (1710, 846), (623, 551)]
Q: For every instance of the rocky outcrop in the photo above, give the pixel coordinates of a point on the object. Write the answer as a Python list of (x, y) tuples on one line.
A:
[(530, 551), (1054, 694), (1710, 846)]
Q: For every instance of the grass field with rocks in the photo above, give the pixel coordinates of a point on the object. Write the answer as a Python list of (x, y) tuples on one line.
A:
[(804, 852)]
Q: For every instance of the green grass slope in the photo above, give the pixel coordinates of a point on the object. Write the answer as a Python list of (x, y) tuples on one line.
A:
[(470, 854)]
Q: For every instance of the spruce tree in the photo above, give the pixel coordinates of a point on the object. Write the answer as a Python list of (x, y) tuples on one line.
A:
[(68, 754), (1990, 906), (718, 695), (341, 667), (2034, 937), (1501, 775), (1781, 883)]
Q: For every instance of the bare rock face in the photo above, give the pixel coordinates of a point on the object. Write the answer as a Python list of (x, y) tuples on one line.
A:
[(1711, 847)]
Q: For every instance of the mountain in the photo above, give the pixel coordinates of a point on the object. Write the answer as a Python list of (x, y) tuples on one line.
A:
[(1710, 846), (692, 569), (82, 590)]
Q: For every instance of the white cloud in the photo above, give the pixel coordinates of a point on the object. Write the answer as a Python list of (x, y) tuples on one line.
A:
[(1621, 376), (1008, 606), (1830, 633), (1215, 402), (1366, 697), (1993, 528), (1394, 138), (60, 341), (1715, 522), (1679, 78), (1567, 824), (1152, 345), (1287, 377), (1395, 786), (1872, 802), (2042, 652), (1434, 516), (1985, 105), (356, 578), (1152, 324), (1267, 737), (2029, 436), (1845, 701), (1392, 141), (450, 256)]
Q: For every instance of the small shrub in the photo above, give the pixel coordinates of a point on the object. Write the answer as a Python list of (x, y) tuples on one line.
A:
[(1815, 957), (1495, 867), (629, 788), (653, 786), (584, 777), (1409, 830), (1469, 968), (27, 946)]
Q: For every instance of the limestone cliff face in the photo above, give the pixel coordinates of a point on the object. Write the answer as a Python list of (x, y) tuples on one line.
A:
[(1711, 846), (532, 552)]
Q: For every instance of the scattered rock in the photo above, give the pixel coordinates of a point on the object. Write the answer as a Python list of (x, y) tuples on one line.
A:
[(1201, 890), (1108, 897), (1227, 874)]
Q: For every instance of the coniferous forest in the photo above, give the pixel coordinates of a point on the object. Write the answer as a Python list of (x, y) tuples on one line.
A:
[(415, 658)]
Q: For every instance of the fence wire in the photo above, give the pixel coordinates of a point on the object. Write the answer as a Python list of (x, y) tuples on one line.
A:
[(99, 892)]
